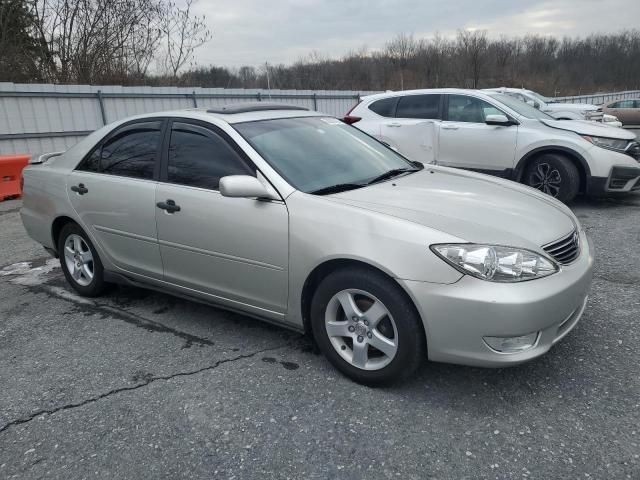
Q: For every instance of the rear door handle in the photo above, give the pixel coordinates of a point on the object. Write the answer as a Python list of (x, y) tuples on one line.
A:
[(450, 127), (169, 206), (394, 124), (80, 189)]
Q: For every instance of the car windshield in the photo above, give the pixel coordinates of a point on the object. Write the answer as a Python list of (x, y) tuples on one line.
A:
[(520, 107), (317, 153)]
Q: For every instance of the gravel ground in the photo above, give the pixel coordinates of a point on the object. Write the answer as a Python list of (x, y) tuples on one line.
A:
[(143, 385)]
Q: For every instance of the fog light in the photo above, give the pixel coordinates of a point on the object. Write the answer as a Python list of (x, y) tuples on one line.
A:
[(512, 344)]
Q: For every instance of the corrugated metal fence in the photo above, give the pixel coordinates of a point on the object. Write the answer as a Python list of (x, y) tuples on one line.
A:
[(43, 118), (38, 118), (599, 98)]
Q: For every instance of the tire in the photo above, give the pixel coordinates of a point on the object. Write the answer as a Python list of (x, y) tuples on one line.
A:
[(371, 298), (82, 267), (554, 175)]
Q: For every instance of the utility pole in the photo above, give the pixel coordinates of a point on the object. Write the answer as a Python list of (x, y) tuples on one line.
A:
[(266, 67)]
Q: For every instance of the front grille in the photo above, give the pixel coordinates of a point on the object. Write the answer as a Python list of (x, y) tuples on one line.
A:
[(565, 250)]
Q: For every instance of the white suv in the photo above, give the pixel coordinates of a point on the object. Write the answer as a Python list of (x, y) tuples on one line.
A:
[(497, 134), (560, 111)]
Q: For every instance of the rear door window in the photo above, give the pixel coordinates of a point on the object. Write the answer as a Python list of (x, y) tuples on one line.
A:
[(131, 151), (419, 106)]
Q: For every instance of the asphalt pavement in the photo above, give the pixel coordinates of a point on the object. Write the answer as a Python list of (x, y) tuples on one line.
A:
[(139, 385)]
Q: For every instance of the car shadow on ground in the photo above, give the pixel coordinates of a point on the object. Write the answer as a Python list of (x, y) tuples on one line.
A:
[(452, 386), (618, 200)]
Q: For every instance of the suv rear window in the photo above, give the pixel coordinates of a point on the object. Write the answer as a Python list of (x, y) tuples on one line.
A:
[(385, 107)]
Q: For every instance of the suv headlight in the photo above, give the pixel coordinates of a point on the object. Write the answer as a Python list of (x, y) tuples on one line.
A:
[(495, 263), (610, 143)]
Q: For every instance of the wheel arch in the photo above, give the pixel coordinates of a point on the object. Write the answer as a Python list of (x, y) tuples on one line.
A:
[(329, 266), (577, 159), (57, 226)]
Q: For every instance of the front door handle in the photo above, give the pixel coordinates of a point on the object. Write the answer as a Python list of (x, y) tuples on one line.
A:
[(450, 127), (394, 124), (80, 189), (169, 206)]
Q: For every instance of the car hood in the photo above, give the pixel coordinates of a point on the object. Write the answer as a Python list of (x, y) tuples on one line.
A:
[(585, 127), (473, 207), (573, 107)]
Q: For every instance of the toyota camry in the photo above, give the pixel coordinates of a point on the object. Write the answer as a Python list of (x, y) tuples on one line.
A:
[(296, 218)]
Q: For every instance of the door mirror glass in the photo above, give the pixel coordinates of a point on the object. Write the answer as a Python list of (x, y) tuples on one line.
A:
[(497, 120), (244, 186)]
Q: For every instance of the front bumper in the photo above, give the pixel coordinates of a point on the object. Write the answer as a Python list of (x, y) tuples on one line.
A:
[(613, 172), (458, 316), (621, 179)]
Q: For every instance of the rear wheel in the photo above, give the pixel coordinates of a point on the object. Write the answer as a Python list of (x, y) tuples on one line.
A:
[(367, 327), (80, 262), (554, 175)]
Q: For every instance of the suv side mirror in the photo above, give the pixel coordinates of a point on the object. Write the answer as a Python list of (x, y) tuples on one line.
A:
[(244, 186), (498, 120)]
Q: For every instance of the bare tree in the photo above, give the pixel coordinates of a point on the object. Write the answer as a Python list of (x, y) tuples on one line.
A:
[(400, 51), (184, 32), (473, 47), (95, 40)]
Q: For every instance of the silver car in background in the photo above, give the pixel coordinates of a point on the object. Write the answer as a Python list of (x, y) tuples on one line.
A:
[(301, 220)]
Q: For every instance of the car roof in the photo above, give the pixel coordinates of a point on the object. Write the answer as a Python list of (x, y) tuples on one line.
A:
[(400, 93), (236, 113)]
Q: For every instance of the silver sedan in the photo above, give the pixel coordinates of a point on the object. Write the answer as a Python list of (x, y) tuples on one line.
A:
[(298, 219)]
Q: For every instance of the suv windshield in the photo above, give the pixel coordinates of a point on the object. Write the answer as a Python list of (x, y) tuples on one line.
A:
[(317, 153), (520, 107)]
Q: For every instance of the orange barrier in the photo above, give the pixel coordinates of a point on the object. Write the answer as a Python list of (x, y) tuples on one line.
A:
[(11, 175)]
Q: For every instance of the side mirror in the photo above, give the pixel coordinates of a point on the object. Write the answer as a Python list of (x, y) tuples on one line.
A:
[(244, 186), (497, 120)]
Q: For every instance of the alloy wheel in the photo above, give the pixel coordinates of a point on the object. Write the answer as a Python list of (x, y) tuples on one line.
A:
[(79, 259), (361, 329), (547, 179)]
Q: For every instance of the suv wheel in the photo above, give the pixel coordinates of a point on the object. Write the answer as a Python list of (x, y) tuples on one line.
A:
[(367, 327), (80, 262), (554, 175)]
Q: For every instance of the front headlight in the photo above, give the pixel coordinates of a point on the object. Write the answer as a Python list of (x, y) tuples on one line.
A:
[(495, 263), (610, 143)]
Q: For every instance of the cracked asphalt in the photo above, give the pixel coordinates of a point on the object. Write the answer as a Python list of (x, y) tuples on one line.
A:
[(139, 384)]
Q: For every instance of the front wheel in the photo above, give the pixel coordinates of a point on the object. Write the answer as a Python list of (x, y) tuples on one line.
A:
[(554, 175), (367, 327)]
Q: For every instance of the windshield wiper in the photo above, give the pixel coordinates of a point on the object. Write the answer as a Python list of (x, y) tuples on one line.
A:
[(393, 173), (340, 187)]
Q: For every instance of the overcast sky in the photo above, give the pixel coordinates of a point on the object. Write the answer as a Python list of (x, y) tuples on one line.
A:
[(251, 32)]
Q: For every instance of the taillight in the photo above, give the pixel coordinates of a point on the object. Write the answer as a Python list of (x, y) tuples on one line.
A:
[(350, 119)]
